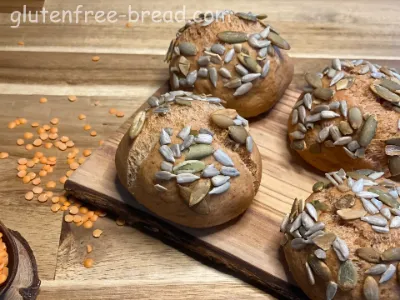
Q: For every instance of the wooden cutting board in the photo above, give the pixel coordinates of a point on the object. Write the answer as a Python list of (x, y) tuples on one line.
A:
[(248, 245)]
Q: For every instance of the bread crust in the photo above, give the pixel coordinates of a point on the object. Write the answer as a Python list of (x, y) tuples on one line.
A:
[(264, 94), (138, 161), (327, 158), (356, 234)]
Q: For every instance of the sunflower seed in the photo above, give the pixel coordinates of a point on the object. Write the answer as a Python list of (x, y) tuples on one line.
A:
[(191, 78), (225, 73), (334, 105), (219, 180), (312, 118), (298, 145), (321, 254), (312, 211), (249, 144), (164, 138), (187, 142), (243, 89), (220, 189), (375, 220), (213, 76), (319, 268), (380, 229), (203, 61), (250, 77), (376, 270), (378, 204), (343, 141), (395, 222), (363, 70), (355, 117), (284, 223), (392, 254), (331, 73), (262, 53), (347, 276), (160, 188), (184, 133), (295, 117), (306, 220), (164, 175), (298, 243), (218, 49), (204, 139), (176, 150), (369, 207), (324, 93), (166, 152), (264, 33), (343, 108), (175, 81), (389, 273), (385, 93), (153, 101), (229, 171), (298, 103), (186, 178), (296, 224), (336, 64), (166, 166), (341, 249), (223, 158), (297, 135), (336, 78), (386, 213), (210, 171), (241, 70), (395, 211), (377, 75), (318, 226), (329, 114), (137, 124)]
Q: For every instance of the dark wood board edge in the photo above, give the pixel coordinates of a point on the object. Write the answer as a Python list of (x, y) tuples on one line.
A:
[(167, 232)]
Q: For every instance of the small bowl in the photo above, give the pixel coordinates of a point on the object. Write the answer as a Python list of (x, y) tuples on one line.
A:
[(12, 258)]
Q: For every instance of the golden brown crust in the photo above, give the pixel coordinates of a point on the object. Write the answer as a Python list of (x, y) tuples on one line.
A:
[(138, 161), (328, 159), (356, 234), (265, 91)]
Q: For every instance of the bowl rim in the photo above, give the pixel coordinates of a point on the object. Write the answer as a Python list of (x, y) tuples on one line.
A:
[(13, 258)]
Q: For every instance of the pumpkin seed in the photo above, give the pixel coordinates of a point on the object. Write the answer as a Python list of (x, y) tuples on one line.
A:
[(351, 214), (389, 273), (368, 254), (385, 197), (368, 131), (238, 134), (198, 151), (385, 93), (345, 128), (318, 186), (243, 89), (325, 241), (246, 16), (195, 165), (298, 145), (223, 158), (164, 175), (199, 192), (234, 83), (187, 49), (390, 85), (342, 84), (222, 121), (336, 64), (220, 189), (241, 70), (392, 254), (250, 63), (320, 269), (278, 40), (394, 165), (137, 124), (232, 37), (323, 93), (347, 276), (355, 117), (314, 80), (370, 289)]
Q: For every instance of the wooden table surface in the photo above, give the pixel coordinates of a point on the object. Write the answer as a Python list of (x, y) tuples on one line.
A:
[(55, 61)]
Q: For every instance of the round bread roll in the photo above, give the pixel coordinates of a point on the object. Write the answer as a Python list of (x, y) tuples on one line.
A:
[(344, 243), (236, 57), (189, 160), (349, 119)]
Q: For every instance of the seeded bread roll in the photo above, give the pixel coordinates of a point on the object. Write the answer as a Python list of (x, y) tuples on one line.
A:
[(190, 161), (344, 244), (352, 125), (240, 59)]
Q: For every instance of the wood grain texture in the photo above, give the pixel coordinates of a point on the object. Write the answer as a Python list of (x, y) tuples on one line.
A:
[(55, 61)]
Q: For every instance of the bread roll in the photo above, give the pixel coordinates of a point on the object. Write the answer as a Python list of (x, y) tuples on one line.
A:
[(344, 242), (189, 160), (351, 124), (236, 57)]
